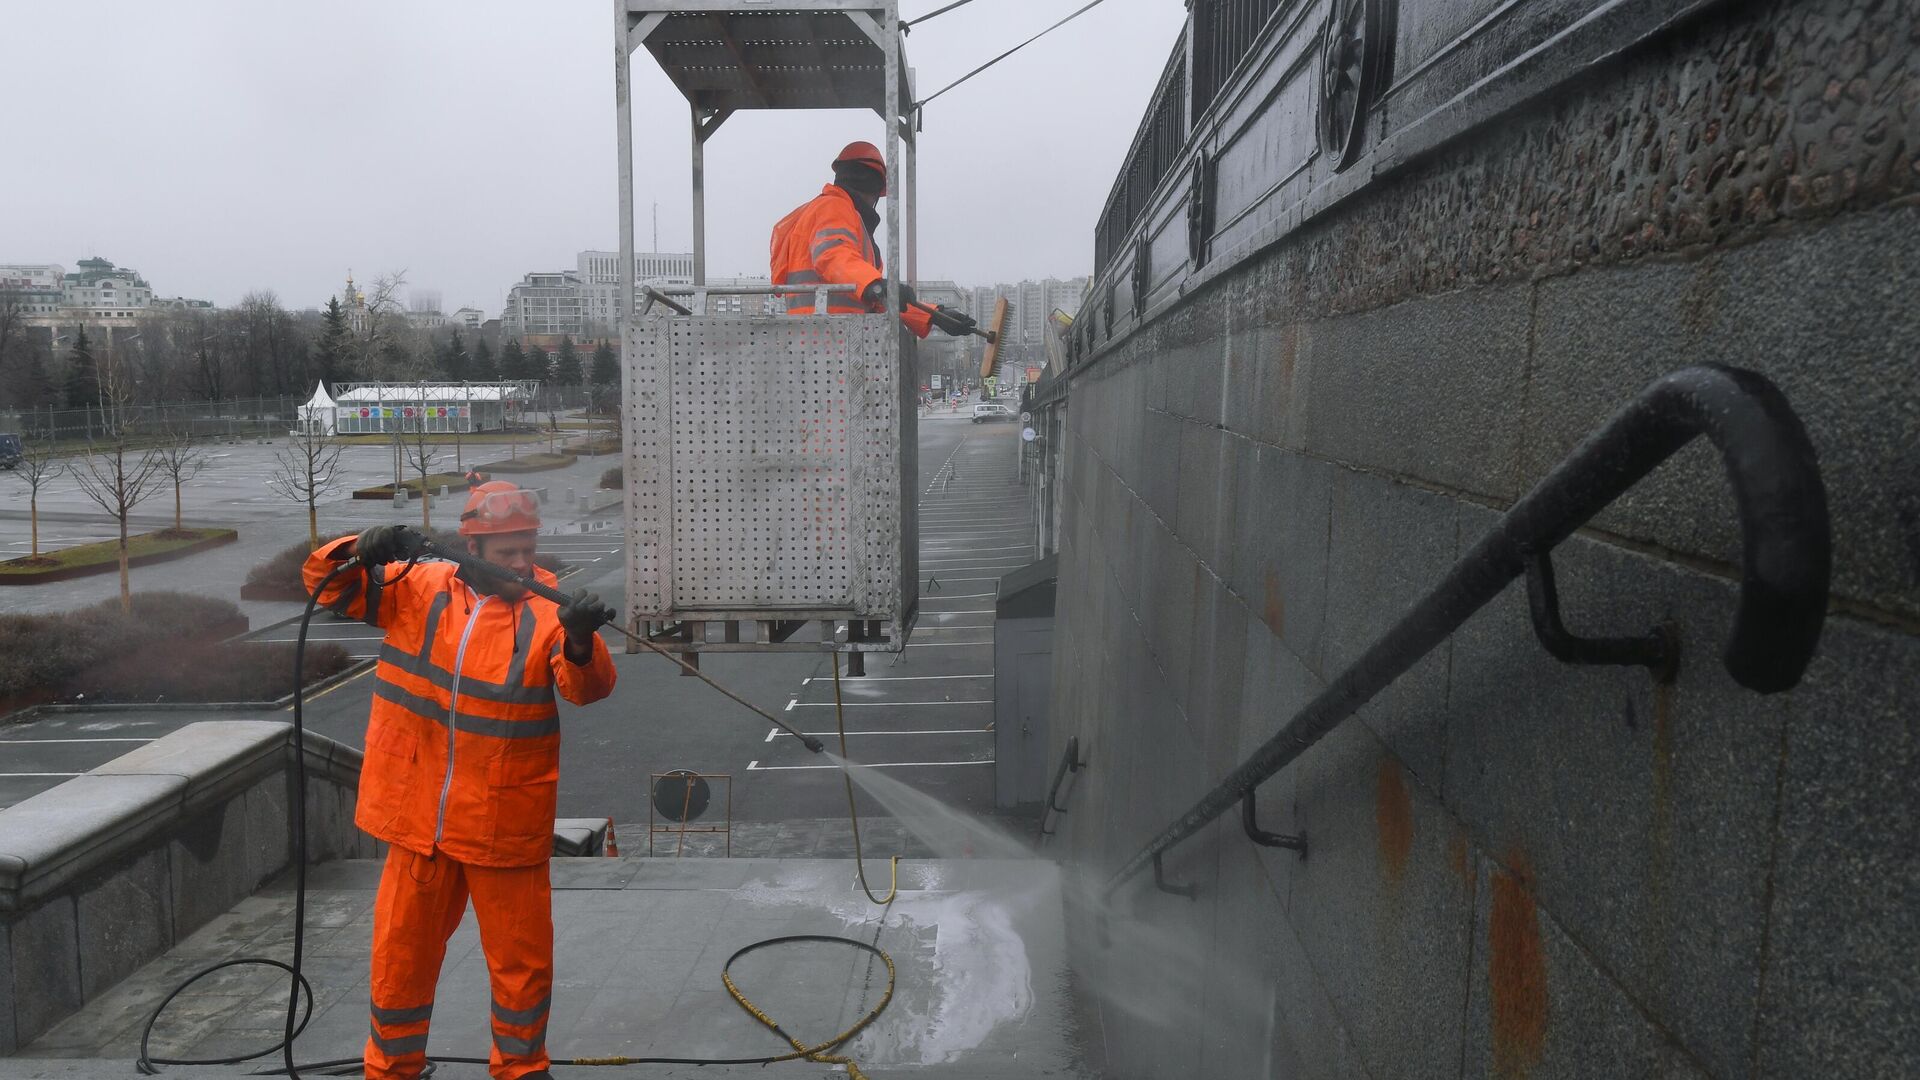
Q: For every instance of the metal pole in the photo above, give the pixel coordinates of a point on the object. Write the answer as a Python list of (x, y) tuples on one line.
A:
[(891, 31), (623, 111), (699, 199), (912, 266)]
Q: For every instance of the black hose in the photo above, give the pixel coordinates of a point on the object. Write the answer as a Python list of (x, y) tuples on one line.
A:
[(298, 988), (300, 991)]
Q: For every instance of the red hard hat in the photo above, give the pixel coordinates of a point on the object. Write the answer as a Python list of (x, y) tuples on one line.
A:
[(864, 153), (499, 506)]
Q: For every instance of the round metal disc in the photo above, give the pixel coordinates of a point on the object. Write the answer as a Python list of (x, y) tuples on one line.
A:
[(680, 795)]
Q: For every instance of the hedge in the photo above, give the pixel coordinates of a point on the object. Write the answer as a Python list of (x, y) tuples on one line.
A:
[(613, 479), (172, 645)]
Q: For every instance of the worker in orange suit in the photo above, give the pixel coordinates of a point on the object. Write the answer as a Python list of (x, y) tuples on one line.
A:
[(830, 241), (462, 761)]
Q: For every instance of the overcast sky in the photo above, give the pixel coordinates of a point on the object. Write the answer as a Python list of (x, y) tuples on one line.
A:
[(219, 146)]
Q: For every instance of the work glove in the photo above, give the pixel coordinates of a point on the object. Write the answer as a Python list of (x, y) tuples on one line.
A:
[(582, 615), (387, 543), (952, 322), (876, 294)]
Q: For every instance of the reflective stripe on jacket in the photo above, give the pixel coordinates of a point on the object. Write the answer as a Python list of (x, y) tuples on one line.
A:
[(826, 242), (463, 743)]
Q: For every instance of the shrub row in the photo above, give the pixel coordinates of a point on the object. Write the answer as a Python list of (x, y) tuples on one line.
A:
[(614, 479), (169, 646)]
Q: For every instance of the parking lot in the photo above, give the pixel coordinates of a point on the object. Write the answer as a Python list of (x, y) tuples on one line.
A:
[(924, 712)]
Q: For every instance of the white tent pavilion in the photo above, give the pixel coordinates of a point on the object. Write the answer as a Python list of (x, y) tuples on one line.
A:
[(316, 416), (380, 408)]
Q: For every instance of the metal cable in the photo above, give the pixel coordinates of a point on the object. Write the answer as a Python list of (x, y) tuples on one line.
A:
[(911, 23), (922, 103)]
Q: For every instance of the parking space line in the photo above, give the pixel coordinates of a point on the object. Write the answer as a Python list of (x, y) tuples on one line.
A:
[(52, 740), (909, 678), (755, 766), (944, 644), (887, 704), (940, 731)]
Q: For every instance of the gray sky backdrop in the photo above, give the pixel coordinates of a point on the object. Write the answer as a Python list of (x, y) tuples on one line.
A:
[(219, 146)]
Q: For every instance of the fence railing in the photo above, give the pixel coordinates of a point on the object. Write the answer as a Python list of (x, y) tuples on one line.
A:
[(1219, 36), (235, 418)]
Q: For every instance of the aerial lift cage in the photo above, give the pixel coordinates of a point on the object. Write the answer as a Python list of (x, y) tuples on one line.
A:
[(770, 458)]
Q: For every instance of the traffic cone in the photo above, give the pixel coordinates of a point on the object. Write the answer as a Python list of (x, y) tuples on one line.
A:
[(613, 844)]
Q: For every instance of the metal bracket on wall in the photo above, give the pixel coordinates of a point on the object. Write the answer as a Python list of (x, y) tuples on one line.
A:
[(1160, 882), (1264, 838), (1070, 762), (1658, 650)]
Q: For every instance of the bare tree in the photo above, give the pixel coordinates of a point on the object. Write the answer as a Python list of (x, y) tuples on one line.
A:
[(179, 461), (306, 472), (422, 456), (384, 319), (38, 467), (115, 477)]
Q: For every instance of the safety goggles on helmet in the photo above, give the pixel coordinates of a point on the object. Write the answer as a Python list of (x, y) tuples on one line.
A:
[(505, 509)]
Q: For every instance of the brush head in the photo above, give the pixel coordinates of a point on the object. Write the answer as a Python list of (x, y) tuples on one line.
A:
[(996, 329)]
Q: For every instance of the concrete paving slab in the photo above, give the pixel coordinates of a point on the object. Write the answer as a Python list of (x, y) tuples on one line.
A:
[(978, 946)]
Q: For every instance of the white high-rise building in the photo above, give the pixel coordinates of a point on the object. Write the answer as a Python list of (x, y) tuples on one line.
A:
[(599, 273)]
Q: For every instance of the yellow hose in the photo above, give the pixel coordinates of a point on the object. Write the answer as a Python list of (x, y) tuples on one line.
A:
[(853, 814)]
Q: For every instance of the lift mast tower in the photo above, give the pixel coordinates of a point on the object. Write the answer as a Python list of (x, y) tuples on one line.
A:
[(770, 459)]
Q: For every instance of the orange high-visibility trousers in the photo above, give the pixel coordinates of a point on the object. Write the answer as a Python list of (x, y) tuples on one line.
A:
[(420, 904)]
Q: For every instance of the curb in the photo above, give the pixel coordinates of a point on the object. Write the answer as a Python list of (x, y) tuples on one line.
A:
[(227, 536)]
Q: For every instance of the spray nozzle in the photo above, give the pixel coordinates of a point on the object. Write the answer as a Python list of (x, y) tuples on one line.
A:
[(812, 743)]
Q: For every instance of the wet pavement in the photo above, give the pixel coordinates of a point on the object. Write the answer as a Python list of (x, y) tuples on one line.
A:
[(982, 985)]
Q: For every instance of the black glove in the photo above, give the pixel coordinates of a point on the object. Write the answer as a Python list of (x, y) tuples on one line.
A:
[(876, 294), (953, 323), (584, 614), (387, 543)]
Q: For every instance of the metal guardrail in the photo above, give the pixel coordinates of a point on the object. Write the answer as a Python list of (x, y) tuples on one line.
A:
[(1785, 564)]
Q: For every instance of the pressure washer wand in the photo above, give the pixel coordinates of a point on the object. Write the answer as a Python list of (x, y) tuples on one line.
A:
[(992, 338), (471, 565)]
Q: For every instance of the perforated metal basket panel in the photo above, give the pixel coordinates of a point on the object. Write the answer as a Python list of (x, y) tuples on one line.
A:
[(764, 467)]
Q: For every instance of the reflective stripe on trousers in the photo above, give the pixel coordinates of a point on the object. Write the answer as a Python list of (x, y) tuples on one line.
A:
[(420, 903)]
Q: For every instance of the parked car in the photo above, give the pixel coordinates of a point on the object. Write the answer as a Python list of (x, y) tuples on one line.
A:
[(986, 412), (10, 451)]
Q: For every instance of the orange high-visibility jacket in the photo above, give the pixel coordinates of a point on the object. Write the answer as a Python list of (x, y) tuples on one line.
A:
[(463, 744), (826, 242)]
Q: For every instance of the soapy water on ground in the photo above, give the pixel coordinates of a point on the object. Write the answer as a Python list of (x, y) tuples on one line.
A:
[(1148, 958)]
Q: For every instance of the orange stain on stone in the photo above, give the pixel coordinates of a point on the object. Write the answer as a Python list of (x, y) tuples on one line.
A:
[(1516, 974), (1457, 856), (1275, 610), (1393, 813)]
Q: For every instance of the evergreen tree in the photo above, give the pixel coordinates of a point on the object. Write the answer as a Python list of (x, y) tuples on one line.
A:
[(566, 365), (483, 367), (513, 362), (32, 386), (83, 376), (606, 366), (334, 351), (455, 360)]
